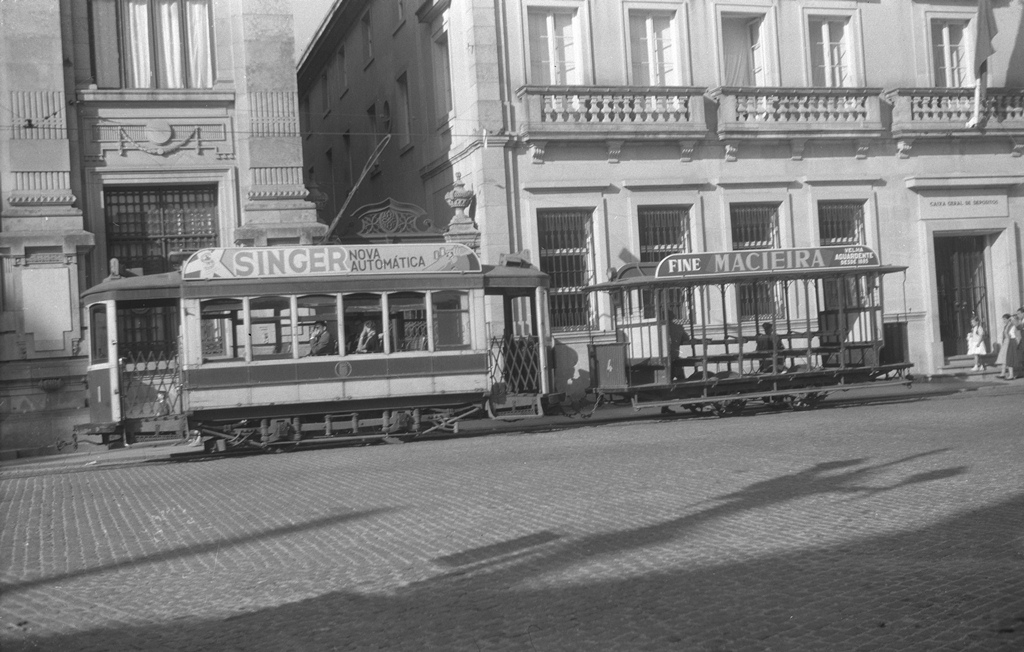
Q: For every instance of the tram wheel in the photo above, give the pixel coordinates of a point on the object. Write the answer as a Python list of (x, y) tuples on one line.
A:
[(728, 408), (698, 408)]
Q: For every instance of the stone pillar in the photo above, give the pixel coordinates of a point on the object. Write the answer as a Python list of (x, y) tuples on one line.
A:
[(42, 240), (274, 200)]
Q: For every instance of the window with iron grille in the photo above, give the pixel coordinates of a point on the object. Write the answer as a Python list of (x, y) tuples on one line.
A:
[(664, 230), (756, 226), (146, 225), (841, 223), (565, 245)]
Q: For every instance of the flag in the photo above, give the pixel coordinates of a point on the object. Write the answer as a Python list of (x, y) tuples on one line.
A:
[(982, 29)]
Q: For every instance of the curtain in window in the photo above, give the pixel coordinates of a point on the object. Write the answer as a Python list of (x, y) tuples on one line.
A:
[(737, 45), (200, 57), (137, 60), (168, 44)]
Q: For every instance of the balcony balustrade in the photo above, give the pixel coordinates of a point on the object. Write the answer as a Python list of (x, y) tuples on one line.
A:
[(798, 113), (581, 113), (945, 112)]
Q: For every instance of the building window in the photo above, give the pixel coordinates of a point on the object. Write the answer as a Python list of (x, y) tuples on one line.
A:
[(949, 53), (404, 111), (743, 42), (554, 47), (347, 171), (663, 230), (565, 242), (325, 93), (146, 225), (756, 226), (830, 52), (443, 75), (341, 72), (841, 223), (371, 116), (652, 48), (367, 33), (152, 43)]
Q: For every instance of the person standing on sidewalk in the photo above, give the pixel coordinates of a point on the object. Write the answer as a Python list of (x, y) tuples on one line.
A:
[(976, 343), (1009, 351)]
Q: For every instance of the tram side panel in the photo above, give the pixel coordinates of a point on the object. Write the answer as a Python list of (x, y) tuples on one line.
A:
[(385, 380)]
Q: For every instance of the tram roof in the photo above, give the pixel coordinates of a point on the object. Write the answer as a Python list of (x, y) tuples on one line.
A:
[(503, 279), (642, 275)]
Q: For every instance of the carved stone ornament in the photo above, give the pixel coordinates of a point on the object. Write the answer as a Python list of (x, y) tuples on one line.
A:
[(390, 221), (461, 228)]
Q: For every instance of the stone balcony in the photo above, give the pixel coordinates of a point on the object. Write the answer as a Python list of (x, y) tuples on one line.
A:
[(613, 115), (945, 113), (798, 115)]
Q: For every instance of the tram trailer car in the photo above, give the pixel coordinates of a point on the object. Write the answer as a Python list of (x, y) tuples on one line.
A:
[(713, 331), (232, 349)]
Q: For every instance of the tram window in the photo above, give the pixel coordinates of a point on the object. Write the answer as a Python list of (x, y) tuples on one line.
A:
[(147, 329), (315, 308), (98, 322), (221, 329), (408, 321), (270, 328), (451, 320), (361, 309)]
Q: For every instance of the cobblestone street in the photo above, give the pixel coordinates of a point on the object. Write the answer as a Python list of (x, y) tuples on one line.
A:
[(882, 526)]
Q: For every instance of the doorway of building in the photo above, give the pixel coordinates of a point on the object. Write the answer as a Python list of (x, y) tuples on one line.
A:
[(960, 278)]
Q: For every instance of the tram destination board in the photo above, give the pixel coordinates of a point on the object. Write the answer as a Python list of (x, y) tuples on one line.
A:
[(325, 260), (766, 260)]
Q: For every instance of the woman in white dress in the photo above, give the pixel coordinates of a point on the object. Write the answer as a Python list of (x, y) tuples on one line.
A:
[(976, 343)]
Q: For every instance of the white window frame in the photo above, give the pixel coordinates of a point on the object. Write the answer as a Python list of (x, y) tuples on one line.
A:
[(854, 42), (581, 33), (967, 79), (768, 40), (924, 17), (677, 30)]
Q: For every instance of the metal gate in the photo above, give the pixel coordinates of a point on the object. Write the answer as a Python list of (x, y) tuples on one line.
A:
[(515, 365), (150, 382), (960, 279)]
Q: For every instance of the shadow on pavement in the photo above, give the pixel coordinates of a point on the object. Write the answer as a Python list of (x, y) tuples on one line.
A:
[(957, 584), (191, 551)]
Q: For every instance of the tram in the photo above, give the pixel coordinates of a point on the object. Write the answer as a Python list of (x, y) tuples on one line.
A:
[(274, 346), (716, 331)]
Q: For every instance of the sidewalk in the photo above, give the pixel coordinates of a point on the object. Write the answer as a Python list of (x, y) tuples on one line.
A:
[(97, 456)]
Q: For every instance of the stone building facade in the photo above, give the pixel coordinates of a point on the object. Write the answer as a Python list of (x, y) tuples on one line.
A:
[(138, 130), (599, 133)]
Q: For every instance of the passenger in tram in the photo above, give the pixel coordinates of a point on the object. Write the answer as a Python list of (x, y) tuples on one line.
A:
[(321, 342), (369, 339), (769, 341), (677, 335)]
